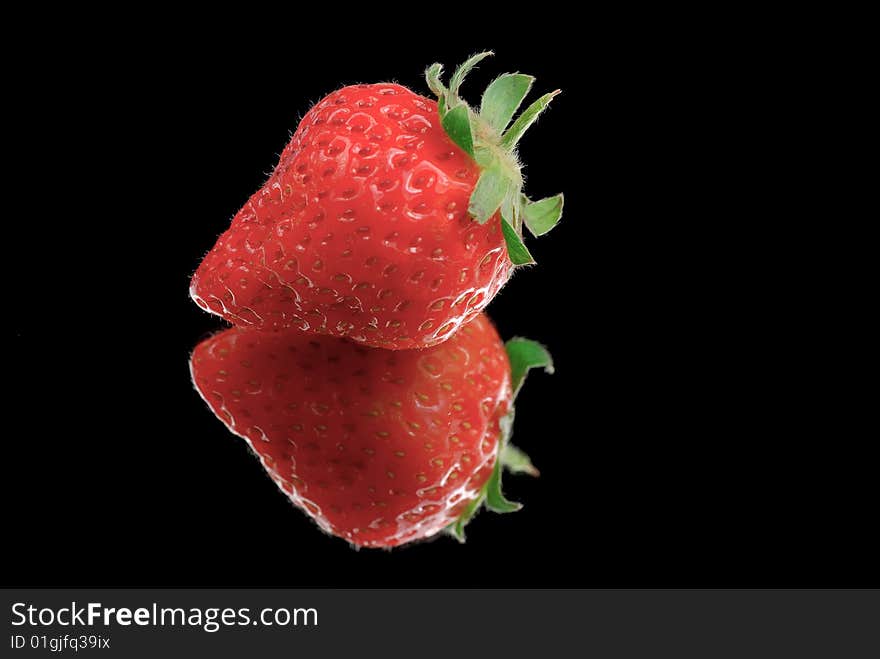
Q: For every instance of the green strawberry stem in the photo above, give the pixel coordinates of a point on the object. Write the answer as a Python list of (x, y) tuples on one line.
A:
[(524, 355), (489, 137)]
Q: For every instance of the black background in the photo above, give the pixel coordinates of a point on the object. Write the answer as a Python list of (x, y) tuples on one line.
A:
[(683, 440)]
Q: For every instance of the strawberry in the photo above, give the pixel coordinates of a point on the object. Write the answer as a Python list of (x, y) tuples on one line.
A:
[(391, 219), (380, 448)]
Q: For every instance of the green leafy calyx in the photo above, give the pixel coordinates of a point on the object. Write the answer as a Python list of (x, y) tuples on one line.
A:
[(524, 355), (490, 136)]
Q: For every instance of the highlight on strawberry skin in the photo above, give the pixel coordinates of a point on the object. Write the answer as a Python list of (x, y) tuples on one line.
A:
[(391, 219), (380, 448)]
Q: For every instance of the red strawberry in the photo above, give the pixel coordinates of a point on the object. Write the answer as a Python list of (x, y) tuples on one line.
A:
[(383, 222), (379, 447)]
